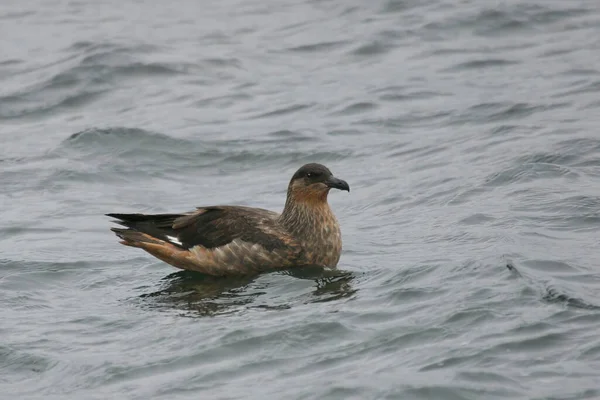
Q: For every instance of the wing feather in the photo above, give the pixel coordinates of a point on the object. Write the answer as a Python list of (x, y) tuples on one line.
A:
[(211, 227)]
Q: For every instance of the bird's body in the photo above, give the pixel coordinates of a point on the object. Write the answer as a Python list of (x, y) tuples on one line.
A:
[(230, 240)]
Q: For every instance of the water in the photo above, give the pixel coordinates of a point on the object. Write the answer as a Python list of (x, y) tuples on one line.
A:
[(468, 132)]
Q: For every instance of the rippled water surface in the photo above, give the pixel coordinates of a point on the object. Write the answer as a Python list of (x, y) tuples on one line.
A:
[(469, 132)]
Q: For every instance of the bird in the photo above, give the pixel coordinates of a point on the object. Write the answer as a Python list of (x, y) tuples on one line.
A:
[(226, 240)]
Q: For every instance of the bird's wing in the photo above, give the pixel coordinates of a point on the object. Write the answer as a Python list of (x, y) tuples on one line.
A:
[(211, 227), (217, 240)]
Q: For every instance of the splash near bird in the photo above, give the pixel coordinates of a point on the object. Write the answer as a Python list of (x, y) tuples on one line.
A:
[(236, 240)]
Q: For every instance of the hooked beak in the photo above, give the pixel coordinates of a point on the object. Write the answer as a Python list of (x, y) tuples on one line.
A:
[(336, 183)]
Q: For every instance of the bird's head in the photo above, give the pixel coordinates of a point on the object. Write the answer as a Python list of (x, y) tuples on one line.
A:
[(312, 182)]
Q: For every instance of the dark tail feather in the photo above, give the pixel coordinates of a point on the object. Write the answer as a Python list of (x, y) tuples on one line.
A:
[(124, 219), (144, 228), (152, 224)]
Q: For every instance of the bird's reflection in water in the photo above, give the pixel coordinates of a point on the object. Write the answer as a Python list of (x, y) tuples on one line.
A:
[(203, 295), (330, 284)]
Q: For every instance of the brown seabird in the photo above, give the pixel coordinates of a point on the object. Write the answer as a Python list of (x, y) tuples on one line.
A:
[(234, 240)]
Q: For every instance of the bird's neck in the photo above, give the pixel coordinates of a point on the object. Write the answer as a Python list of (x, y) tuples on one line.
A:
[(314, 225), (303, 215)]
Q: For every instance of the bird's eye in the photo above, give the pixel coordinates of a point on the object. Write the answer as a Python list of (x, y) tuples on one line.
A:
[(309, 175)]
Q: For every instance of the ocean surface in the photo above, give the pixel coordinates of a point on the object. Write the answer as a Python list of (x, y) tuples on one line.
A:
[(469, 132)]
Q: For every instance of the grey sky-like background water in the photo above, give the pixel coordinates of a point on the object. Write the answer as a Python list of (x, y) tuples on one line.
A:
[(468, 131)]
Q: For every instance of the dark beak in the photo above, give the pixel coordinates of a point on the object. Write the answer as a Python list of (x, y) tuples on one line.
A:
[(336, 183)]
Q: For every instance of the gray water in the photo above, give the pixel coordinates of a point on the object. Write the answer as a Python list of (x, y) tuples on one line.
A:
[(469, 132)]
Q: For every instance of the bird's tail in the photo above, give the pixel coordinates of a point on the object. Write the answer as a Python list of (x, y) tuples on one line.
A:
[(143, 228)]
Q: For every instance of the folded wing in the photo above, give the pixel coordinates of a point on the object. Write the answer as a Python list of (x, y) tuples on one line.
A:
[(222, 238)]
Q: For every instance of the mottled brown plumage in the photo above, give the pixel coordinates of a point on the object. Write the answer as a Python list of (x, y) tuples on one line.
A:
[(230, 240)]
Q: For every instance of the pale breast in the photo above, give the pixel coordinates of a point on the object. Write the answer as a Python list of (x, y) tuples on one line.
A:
[(323, 244)]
